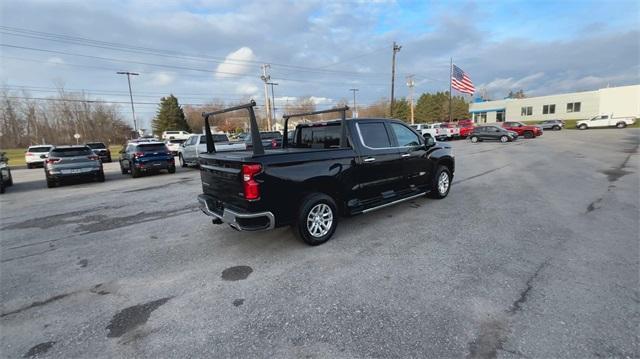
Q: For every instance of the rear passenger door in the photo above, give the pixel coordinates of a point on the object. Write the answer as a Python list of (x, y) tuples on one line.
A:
[(378, 170), (415, 165)]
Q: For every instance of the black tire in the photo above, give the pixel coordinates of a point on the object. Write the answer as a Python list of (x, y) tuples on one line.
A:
[(621, 124), (183, 164), (435, 188), (123, 170), (172, 169), (10, 180), (50, 183), (29, 166), (529, 134), (474, 139), (100, 176), (556, 128), (582, 127), (504, 139), (135, 172), (311, 202), (2, 186)]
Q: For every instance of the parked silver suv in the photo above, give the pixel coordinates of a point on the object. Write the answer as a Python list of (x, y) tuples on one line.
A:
[(68, 162)]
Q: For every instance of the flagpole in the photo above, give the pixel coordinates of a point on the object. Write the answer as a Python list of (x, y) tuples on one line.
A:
[(450, 76)]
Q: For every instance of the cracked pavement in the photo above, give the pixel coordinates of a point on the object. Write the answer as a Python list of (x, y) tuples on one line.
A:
[(534, 254)]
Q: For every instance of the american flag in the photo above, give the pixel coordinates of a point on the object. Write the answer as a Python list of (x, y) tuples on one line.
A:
[(461, 81)]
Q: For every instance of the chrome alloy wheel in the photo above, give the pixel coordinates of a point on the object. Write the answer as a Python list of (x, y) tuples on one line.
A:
[(443, 183), (320, 219)]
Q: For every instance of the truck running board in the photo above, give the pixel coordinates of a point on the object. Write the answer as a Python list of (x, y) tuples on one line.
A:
[(394, 202)]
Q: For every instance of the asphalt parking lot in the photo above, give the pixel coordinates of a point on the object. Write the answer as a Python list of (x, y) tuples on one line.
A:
[(534, 254)]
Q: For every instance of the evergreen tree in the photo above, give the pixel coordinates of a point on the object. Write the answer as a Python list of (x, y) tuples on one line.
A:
[(169, 117), (402, 109)]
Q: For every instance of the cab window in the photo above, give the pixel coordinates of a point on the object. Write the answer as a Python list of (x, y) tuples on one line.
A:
[(405, 137)]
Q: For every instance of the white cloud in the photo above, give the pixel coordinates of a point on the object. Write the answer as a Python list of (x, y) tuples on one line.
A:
[(321, 100), (235, 63), (247, 89), (162, 78), (55, 61)]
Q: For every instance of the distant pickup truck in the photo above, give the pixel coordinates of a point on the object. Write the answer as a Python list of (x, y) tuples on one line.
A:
[(190, 150), (334, 168), (605, 121), (434, 130), (526, 131)]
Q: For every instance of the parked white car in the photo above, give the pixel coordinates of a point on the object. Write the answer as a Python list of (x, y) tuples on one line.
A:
[(175, 135), (605, 120), (33, 153), (174, 145), (190, 150)]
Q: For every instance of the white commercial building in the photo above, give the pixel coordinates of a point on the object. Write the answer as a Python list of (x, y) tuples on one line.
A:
[(619, 101)]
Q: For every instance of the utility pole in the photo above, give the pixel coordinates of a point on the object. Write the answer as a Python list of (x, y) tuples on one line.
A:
[(273, 102), (267, 105), (411, 84), (355, 108), (396, 48), (133, 110)]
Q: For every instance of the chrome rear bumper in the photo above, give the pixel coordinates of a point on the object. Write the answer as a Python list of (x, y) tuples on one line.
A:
[(241, 221)]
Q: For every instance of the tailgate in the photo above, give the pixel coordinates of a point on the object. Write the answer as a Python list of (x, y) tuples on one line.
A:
[(222, 179)]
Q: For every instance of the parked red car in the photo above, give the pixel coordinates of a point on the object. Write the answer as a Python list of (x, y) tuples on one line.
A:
[(466, 127), (523, 130)]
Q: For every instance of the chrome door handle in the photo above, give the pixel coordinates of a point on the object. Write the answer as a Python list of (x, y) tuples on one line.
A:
[(404, 155), (370, 159)]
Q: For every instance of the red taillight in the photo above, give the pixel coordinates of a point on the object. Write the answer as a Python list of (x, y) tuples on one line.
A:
[(274, 143), (52, 160), (138, 154), (251, 186), (29, 154), (93, 157)]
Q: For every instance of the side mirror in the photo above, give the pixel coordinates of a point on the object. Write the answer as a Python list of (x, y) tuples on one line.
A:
[(429, 141)]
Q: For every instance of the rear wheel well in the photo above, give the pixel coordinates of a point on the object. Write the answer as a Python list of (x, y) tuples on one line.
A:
[(330, 188)]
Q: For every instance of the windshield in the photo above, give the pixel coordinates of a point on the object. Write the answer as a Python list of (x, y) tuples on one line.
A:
[(216, 138), (71, 152), (95, 146), (39, 149), (152, 147), (270, 135)]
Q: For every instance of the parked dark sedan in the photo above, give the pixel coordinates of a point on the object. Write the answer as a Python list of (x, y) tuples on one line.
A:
[(138, 157), (5, 173), (492, 133), (101, 150)]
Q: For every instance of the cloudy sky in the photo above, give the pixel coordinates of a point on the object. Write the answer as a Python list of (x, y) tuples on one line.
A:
[(199, 49)]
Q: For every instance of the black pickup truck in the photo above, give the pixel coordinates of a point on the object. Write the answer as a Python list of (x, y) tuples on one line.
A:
[(330, 169)]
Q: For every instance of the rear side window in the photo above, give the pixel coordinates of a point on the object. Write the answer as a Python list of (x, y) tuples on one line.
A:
[(374, 135), (71, 152), (319, 137), (405, 137), (153, 147), (39, 149), (176, 141)]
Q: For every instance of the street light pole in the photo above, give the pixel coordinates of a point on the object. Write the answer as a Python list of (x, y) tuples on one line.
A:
[(133, 110), (355, 108)]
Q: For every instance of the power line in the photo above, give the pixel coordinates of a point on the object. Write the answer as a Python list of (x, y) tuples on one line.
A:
[(232, 74), (13, 31)]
